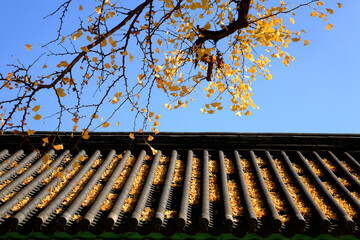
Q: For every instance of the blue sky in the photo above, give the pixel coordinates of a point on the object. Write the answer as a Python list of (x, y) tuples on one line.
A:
[(317, 93)]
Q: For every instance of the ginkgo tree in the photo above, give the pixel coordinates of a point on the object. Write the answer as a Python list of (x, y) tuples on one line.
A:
[(178, 47)]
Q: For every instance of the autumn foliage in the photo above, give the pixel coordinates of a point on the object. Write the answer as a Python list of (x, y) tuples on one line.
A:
[(121, 57)]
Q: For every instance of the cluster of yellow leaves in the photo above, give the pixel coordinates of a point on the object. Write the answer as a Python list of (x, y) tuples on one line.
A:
[(230, 72), (269, 31)]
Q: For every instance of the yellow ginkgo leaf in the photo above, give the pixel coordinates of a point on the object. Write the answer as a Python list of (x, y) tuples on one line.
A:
[(85, 134), (63, 64), (98, 10), (44, 66), (107, 65), (45, 141), (320, 3), (75, 165), (292, 20), (118, 94), (329, 26), (339, 5), (59, 174), (105, 124), (306, 42), (36, 108), (150, 138), (60, 92), (103, 43), (157, 117), (81, 8), (37, 117), (132, 136), (28, 47), (115, 100), (314, 14), (85, 49), (58, 147), (329, 10), (153, 150), (46, 158), (30, 132), (247, 113), (112, 42), (117, 124), (131, 57)]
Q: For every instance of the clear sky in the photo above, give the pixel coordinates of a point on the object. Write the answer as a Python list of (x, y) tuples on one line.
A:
[(318, 93)]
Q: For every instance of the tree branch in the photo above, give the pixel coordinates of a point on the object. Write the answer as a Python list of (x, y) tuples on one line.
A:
[(242, 9), (92, 45)]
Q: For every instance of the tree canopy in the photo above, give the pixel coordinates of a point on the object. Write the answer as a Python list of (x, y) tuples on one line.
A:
[(179, 48)]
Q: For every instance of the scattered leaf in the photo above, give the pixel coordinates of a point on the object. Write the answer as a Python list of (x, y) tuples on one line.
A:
[(60, 92), (105, 124), (31, 132), (153, 150), (150, 138), (28, 47), (85, 134), (46, 158), (36, 108), (58, 147), (85, 49), (112, 42), (45, 141), (132, 136), (314, 14), (75, 165), (37, 117), (329, 10), (329, 26), (103, 43)]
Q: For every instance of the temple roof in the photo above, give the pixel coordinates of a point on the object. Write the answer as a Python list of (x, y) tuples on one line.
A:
[(198, 184)]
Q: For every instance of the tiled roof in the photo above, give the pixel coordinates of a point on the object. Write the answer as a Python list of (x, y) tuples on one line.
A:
[(207, 183)]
